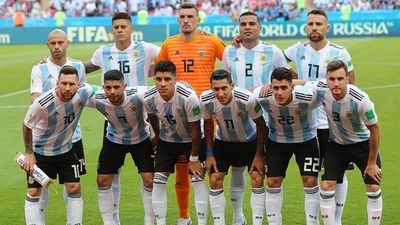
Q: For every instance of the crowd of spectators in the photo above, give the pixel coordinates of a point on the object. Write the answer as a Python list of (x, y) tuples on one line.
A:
[(266, 9)]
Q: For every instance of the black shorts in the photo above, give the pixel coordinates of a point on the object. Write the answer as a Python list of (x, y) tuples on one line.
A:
[(278, 155), (323, 139), (202, 154), (339, 156), (77, 147), (112, 156), (238, 154), (66, 166)]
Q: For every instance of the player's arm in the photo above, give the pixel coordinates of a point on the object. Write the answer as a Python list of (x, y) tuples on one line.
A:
[(34, 96), (209, 137), (294, 74), (30, 159), (372, 168), (258, 161), (194, 164), (155, 125), (90, 67), (352, 77)]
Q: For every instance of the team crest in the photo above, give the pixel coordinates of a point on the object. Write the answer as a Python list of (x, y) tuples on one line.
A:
[(298, 112), (135, 55), (80, 103), (348, 114), (179, 111), (133, 108), (239, 114), (327, 61), (201, 52), (263, 59), (31, 180)]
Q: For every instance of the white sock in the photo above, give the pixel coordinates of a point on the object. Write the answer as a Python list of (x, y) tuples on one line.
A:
[(374, 207), (340, 199), (201, 201), (327, 205), (311, 204), (273, 205), (116, 190), (257, 204), (237, 188), (218, 204), (75, 208), (159, 198), (32, 208), (43, 202), (106, 199), (65, 195), (147, 205)]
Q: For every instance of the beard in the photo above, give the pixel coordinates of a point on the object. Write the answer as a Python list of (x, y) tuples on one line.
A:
[(315, 38)]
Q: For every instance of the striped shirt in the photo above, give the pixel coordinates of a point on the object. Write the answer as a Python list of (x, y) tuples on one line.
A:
[(176, 114), (127, 122), (349, 116), (311, 65), (134, 62), (44, 77), (53, 121), (252, 68), (194, 60), (294, 122), (235, 120)]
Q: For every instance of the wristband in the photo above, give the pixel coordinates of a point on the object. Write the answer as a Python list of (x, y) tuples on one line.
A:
[(194, 158), (209, 152)]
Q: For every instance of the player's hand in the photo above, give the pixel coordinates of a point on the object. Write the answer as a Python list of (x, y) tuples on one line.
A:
[(258, 165), (29, 162), (154, 142), (211, 163), (374, 172), (237, 41), (196, 169), (264, 90)]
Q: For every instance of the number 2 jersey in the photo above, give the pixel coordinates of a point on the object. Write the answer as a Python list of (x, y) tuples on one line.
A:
[(53, 121), (311, 65), (134, 62), (294, 122)]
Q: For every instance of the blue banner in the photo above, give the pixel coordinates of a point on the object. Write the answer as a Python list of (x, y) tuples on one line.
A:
[(158, 33)]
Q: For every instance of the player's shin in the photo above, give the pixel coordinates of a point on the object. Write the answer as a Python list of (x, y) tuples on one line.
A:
[(201, 200), (311, 204), (237, 188), (218, 204), (327, 205), (273, 205), (148, 205), (32, 215), (75, 208), (182, 188), (340, 199), (159, 198), (116, 190), (374, 207), (43, 202), (257, 205), (106, 199)]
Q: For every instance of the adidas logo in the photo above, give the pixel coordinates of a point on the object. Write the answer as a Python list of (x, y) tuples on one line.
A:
[(50, 76), (303, 58), (177, 52), (236, 59), (110, 58)]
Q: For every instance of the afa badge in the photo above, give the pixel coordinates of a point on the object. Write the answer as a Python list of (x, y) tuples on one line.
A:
[(179, 111), (133, 108), (263, 59), (135, 55)]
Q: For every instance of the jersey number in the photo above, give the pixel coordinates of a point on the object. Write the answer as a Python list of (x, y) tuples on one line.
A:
[(311, 164), (249, 70), (285, 120), (170, 119), (124, 66), (187, 65), (336, 116), (75, 167), (68, 119), (229, 124), (310, 66)]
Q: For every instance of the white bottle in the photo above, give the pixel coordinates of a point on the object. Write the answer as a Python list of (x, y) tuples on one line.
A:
[(37, 173)]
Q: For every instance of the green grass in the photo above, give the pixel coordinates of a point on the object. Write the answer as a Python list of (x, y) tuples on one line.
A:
[(376, 61)]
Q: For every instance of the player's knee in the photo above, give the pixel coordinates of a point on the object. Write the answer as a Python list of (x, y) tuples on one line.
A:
[(257, 180), (372, 187), (104, 180), (274, 182), (328, 185), (309, 181), (34, 192), (216, 181), (148, 181), (73, 187)]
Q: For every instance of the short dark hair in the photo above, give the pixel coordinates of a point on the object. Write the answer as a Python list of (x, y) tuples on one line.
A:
[(317, 12), (335, 65), (121, 16), (220, 75), (248, 13), (282, 73), (114, 75), (189, 5), (165, 66), (68, 70)]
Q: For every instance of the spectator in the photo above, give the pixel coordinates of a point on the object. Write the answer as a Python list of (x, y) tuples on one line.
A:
[(143, 15), (36, 12), (133, 7), (19, 19), (90, 8), (60, 16), (345, 10), (120, 6)]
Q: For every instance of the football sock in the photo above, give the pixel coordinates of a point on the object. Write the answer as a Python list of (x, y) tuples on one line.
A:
[(374, 207), (147, 205), (200, 200), (273, 205), (159, 198), (218, 204), (116, 190), (43, 202), (75, 208), (106, 199), (311, 204), (257, 204), (340, 199), (182, 189), (32, 215), (237, 188), (327, 205)]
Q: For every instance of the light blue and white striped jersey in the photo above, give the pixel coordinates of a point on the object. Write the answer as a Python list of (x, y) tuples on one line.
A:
[(252, 68), (294, 122), (44, 77), (53, 121), (134, 62), (235, 120), (349, 116), (127, 123), (176, 114), (311, 65)]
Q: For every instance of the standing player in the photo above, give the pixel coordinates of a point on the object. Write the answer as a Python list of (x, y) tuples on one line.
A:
[(239, 141), (43, 78), (354, 137), (48, 128), (194, 55), (127, 132), (311, 59), (292, 130), (178, 109), (133, 59), (251, 65)]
